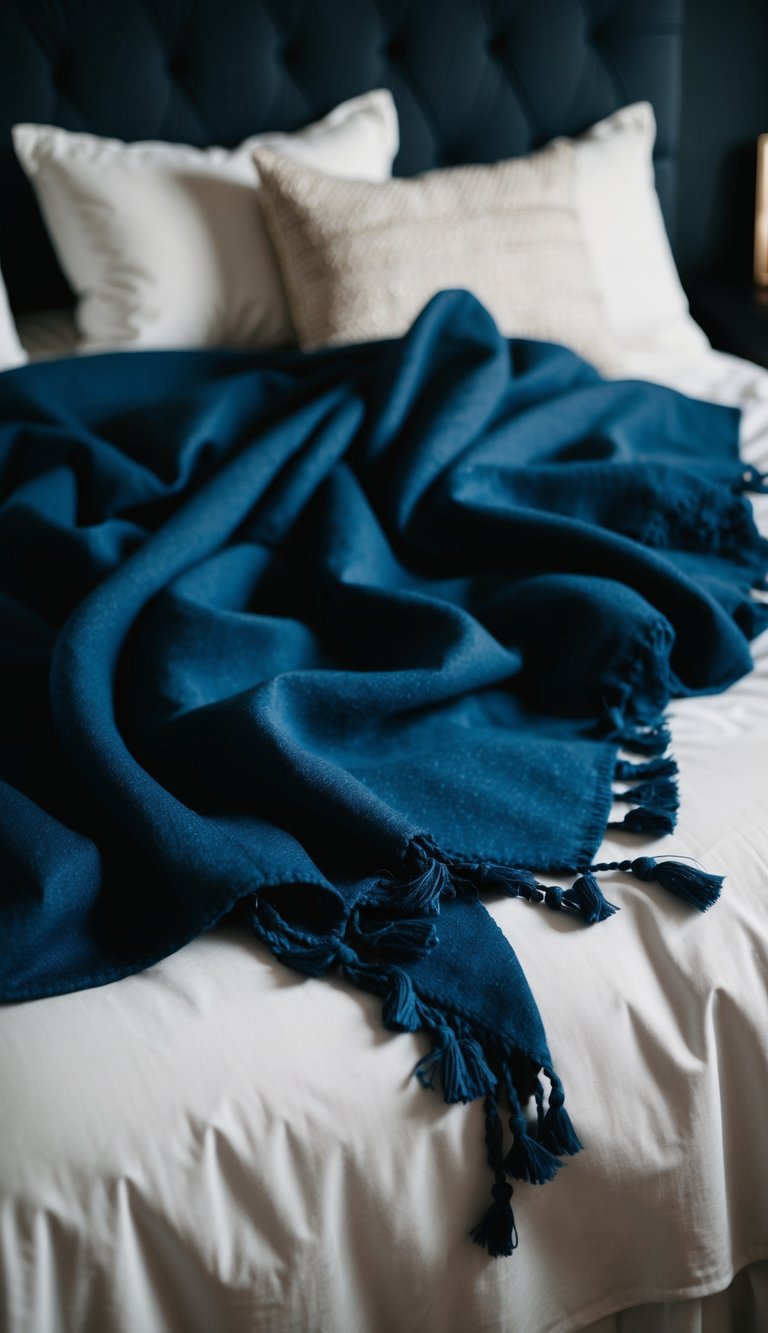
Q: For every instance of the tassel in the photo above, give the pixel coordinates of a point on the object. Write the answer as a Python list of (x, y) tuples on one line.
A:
[(433, 882), (643, 819), (557, 1132), (754, 480), (646, 740), (497, 1231), (464, 1074), (400, 1010), (397, 941), (590, 901), (514, 882), (661, 767), (423, 893), (658, 795), (692, 885), (528, 1160), (559, 900)]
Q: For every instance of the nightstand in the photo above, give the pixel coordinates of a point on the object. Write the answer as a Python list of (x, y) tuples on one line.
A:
[(734, 315)]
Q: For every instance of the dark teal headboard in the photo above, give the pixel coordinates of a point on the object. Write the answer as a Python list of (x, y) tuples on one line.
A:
[(474, 80)]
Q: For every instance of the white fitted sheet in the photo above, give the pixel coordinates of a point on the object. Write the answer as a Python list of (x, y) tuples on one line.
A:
[(220, 1144)]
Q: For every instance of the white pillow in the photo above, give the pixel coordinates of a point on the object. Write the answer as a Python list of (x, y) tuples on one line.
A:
[(11, 351), (644, 305), (165, 245)]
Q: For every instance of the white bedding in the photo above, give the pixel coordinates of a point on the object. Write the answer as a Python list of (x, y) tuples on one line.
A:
[(219, 1144)]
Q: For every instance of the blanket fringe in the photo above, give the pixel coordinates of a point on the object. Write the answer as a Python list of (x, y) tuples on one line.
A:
[(660, 767), (688, 882), (433, 878), (652, 740), (593, 905), (496, 1230), (528, 1159), (468, 1060), (654, 801), (658, 793), (534, 1160), (556, 1131), (400, 1009), (753, 480), (465, 1074), (646, 819)]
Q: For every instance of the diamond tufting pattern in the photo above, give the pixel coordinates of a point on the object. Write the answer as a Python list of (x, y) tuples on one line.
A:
[(474, 80)]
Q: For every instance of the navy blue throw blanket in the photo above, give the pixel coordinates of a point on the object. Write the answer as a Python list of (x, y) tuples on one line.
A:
[(342, 644)]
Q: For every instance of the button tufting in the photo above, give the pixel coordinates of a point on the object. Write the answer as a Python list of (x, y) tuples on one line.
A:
[(177, 68), (237, 66), (394, 49), (59, 77)]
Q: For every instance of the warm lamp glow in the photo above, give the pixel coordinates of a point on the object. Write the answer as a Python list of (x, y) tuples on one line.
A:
[(761, 213)]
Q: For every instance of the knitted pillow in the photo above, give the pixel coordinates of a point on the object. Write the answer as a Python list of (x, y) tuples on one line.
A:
[(360, 260)]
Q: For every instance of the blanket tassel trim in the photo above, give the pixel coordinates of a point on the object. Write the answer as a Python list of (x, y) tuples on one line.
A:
[(469, 1061)]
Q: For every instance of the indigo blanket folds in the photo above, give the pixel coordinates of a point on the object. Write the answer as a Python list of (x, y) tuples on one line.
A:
[(343, 643)]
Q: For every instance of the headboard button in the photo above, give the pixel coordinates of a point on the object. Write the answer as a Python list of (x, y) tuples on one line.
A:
[(394, 49)]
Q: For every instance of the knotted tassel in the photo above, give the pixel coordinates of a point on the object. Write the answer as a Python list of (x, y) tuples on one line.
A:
[(753, 480), (660, 794), (689, 883), (496, 1231), (526, 1160), (591, 903), (557, 1132), (434, 881), (464, 1073), (530, 1161), (661, 767), (646, 740), (694, 886), (514, 882), (643, 819), (400, 1009), (559, 900), (399, 940)]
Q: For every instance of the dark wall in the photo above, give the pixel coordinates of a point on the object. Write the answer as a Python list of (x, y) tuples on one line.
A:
[(725, 107)]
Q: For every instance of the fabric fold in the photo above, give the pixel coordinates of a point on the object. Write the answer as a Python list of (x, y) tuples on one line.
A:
[(345, 643)]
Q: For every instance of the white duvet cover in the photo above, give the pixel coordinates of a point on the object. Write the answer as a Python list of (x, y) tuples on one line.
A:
[(218, 1144)]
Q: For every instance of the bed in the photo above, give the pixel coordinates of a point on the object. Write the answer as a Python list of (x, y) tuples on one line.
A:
[(217, 1141)]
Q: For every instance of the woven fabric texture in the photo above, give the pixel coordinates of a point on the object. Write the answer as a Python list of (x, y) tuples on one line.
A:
[(360, 259)]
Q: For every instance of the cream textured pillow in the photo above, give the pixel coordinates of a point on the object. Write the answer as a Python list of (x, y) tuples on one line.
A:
[(165, 245), (361, 260)]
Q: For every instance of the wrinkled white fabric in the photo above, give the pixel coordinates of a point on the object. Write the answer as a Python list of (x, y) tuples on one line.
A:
[(218, 1143)]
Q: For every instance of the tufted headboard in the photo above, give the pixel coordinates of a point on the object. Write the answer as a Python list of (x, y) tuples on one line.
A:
[(474, 80)]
